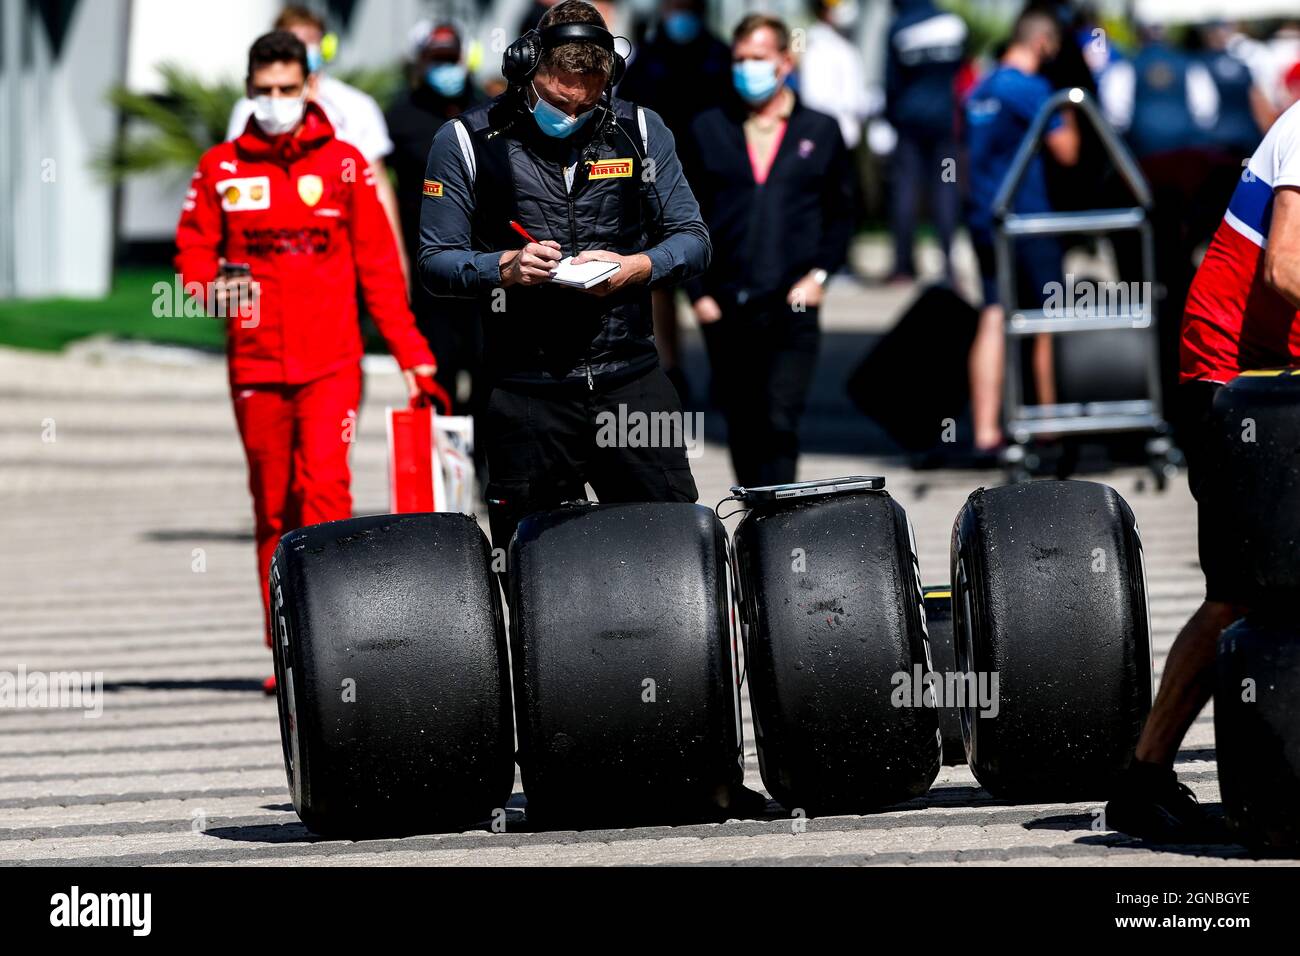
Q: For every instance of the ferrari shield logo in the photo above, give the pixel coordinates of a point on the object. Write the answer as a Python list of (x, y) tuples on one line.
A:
[(310, 189), (256, 193)]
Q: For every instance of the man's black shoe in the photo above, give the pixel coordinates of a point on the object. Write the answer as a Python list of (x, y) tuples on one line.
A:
[(1152, 805), (744, 803)]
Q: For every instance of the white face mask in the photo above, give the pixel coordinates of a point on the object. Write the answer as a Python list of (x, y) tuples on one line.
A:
[(278, 114), (844, 15)]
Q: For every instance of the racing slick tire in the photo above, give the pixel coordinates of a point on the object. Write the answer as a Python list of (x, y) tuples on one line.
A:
[(392, 676), (1052, 629), (836, 652), (625, 676)]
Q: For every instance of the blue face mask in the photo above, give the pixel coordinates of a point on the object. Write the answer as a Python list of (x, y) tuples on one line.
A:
[(553, 121), (682, 26), (315, 58), (447, 79), (755, 80)]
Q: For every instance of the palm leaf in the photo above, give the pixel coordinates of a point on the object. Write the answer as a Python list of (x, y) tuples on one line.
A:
[(168, 131)]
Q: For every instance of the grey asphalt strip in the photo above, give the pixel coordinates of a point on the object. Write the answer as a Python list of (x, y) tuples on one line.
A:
[(291, 831), (143, 748), (143, 796), (110, 774), (1111, 844)]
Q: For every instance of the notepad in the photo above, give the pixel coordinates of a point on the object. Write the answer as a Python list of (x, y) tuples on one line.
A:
[(585, 274)]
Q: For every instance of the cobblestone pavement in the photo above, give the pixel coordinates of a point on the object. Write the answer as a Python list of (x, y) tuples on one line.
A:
[(99, 536)]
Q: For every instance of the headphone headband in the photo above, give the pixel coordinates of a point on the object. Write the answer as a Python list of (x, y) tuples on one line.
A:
[(561, 33), (522, 58)]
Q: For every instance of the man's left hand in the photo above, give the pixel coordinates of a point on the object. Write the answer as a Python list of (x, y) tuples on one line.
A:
[(634, 269), (807, 291), (417, 371)]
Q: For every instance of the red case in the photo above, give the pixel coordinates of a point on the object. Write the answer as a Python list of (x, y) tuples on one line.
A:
[(411, 460), (414, 472)]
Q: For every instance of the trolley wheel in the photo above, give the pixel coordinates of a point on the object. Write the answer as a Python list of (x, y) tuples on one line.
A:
[(1016, 463), (1162, 460), (1068, 462)]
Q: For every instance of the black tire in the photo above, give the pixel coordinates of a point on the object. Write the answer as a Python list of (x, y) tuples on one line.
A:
[(1049, 597), (831, 606), (1254, 483), (606, 598), (1257, 730), (943, 658), (407, 610), (1106, 366)]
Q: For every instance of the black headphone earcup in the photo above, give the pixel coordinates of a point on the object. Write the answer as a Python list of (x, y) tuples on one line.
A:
[(520, 60), (620, 68)]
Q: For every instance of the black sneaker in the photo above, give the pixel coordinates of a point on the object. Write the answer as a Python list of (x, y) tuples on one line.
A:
[(744, 803), (1152, 805)]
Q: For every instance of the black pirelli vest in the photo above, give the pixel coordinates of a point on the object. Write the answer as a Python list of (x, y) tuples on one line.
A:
[(550, 334)]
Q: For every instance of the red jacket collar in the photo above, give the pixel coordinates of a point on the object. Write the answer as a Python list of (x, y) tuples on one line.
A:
[(287, 148)]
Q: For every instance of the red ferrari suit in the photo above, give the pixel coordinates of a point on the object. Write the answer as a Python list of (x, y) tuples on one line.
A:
[(302, 212)]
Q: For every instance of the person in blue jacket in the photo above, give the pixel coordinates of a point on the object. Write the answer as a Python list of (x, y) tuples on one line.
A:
[(1162, 100), (923, 54), (999, 112), (1244, 110)]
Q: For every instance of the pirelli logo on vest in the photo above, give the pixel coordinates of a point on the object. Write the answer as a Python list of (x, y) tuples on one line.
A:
[(432, 188), (609, 168)]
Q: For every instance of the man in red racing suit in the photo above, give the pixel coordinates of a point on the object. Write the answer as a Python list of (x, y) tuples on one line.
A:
[(299, 209)]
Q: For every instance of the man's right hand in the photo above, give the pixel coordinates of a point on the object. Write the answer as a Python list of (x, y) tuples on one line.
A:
[(706, 309), (531, 265), (233, 295)]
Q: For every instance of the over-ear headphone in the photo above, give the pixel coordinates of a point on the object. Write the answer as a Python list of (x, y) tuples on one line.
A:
[(522, 58)]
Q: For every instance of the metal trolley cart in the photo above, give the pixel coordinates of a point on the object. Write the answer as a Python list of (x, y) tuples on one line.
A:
[(1022, 422)]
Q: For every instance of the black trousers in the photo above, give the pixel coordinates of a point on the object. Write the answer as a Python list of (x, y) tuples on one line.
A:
[(917, 171), (1217, 539), (762, 356), (454, 331), (544, 445)]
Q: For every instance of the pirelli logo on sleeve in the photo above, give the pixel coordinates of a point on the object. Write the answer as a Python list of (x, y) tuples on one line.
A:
[(432, 188), (609, 168)]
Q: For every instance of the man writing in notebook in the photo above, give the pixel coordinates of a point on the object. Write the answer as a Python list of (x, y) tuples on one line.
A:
[(554, 168)]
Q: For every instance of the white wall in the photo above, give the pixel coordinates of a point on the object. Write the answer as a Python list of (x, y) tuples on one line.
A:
[(53, 122), (209, 37)]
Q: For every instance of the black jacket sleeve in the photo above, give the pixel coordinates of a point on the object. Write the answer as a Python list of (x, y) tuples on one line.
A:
[(837, 204)]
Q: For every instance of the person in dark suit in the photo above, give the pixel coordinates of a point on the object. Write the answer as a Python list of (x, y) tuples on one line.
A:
[(775, 188), (440, 90), (682, 69), (679, 72)]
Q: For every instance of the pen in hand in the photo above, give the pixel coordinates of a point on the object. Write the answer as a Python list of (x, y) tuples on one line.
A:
[(533, 264), (522, 231)]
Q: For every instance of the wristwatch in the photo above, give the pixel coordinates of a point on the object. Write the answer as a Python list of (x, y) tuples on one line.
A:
[(820, 276)]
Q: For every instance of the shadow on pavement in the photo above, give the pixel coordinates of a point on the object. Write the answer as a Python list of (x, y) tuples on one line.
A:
[(197, 534), (233, 684), (830, 425), (1112, 838)]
